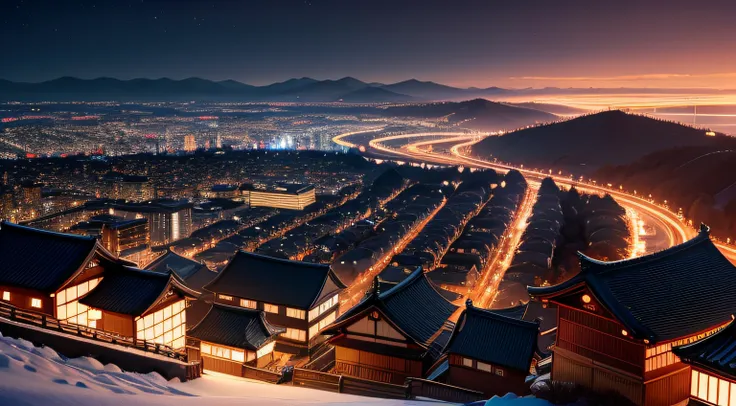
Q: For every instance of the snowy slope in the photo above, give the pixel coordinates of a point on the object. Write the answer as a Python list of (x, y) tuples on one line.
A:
[(39, 376), (31, 376)]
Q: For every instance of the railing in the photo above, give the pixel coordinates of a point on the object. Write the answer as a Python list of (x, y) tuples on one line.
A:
[(13, 313), (260, 374), (429, 389), (365, 387), (324, 362), (317, 380)]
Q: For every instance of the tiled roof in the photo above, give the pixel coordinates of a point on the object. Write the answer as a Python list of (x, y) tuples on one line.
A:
[(183, 267), (40, 260), (671, 294), (717, 352), (413, 305), (494, 338), (274, 280), (132, 291), (235, 327)]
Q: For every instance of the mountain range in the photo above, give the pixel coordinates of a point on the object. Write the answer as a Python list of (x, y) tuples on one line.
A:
[(305, 89)]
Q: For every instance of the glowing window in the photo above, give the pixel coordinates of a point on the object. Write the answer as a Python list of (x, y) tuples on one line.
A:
[(250, 304), (484, 367), (6, 296), (467, 362), (269, 308), (36, 303)]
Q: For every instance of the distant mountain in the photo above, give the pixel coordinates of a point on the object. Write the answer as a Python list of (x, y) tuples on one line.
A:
[(558, 109), (288, 85), (326, 90), (426, 90), (370, 94), (297, 89), (588, 142), (479, 114)]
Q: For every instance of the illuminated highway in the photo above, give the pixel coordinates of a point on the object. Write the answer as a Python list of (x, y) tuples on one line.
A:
[(669, 229)]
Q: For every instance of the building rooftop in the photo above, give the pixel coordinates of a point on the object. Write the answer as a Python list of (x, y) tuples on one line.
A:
[(675, 293), (286, 188), (494, 338), (717, 352), (43, 260), (414, 306), (133, 291), (235, 327), (276, 281)]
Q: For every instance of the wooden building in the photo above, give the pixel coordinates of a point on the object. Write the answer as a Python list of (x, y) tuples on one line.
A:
[(392, 335), (144, 305), (47, 272), (299, 296), (713, 368), (491, 352), (618, 321), (229, 337)]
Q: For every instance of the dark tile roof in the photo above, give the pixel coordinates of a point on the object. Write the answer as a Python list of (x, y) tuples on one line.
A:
[(494, 338), (41, 260), (133, 291), (275, 280), (182, 266), (413, 305), (717, 352), (235, 327), (671, 294)]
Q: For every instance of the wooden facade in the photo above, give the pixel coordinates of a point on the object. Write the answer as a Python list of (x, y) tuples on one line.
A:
[(490, 379), (387, 336), (595, 350)]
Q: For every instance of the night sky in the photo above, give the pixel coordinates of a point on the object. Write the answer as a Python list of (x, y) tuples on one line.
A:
[(511, 43)]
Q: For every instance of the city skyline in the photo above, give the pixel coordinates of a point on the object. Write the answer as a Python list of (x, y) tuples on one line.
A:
[(469, 43)]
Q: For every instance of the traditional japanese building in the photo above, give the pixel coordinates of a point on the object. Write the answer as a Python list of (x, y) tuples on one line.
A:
[(394, 334), (713, 368), (618, 321), (47, 272), (143, 305), (491, 352), (299, 296), (229, 337)]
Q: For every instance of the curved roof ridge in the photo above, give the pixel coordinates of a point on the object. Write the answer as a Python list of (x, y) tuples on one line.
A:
[(490, 314), (283, 260), (587, 263), (414, 276)]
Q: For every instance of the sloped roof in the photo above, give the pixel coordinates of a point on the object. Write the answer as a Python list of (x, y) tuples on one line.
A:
[(275, 280), (183, 267), (39, 259), (494, 338), (717, 352), (133, 291), (671, 294), (414, 306), (235, 327)]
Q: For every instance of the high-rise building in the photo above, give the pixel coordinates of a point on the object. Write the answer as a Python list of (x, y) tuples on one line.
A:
[(190, 144), (280, 196)]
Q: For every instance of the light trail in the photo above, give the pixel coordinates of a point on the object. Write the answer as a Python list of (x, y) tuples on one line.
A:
[(677, 232)]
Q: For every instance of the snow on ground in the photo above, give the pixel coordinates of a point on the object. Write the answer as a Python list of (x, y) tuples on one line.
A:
[(31, 376)]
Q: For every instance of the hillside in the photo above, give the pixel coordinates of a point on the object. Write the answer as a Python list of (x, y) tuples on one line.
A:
[(479, 114), (583, 144), (700, 180), (370, 94), (558, 109)]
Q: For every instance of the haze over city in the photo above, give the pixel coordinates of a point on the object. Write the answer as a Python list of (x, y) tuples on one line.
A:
[(497, 203)]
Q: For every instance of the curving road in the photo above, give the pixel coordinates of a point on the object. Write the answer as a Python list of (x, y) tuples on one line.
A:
[(670, 230)]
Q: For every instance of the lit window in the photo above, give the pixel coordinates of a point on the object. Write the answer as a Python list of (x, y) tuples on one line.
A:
[(238, 356), (251, 304), (36, 303), (6, 296), (467, 362), (225, 297), (206, 349), (484, 367), (269, 308), (499, 371), (295, 334), (295, 313)]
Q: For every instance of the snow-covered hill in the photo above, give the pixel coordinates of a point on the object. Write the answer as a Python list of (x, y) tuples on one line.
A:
[(32, 376)]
